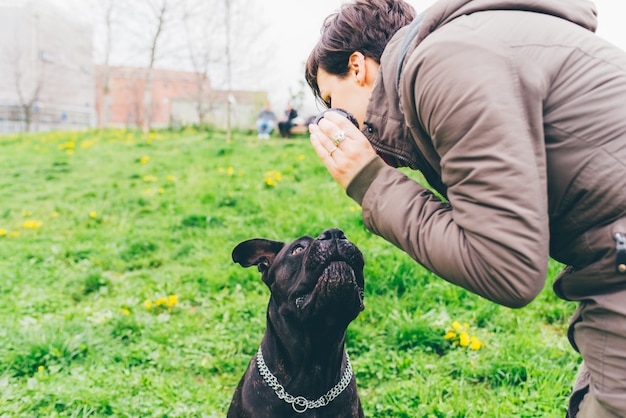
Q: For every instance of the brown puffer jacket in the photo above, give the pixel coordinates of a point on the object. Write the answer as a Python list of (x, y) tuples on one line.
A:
[(516, 111)]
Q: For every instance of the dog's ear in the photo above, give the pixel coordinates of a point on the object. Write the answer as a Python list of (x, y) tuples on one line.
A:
[(258, 252)]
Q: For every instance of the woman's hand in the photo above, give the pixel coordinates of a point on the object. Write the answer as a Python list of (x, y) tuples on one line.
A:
[(343, 149)]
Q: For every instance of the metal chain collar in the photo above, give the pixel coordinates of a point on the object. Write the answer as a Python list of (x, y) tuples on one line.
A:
[(299, 403)]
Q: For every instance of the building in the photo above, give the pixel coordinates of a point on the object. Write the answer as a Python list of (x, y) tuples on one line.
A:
[(176, 97), (46, 68)]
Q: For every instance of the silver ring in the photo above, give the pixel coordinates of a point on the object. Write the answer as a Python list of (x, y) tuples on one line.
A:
[(339, 136), (332, 150)]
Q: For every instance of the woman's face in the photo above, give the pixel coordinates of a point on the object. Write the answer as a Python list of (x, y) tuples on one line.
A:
[(350, 92)]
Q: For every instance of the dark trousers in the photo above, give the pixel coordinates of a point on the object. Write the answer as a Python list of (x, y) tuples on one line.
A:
[(284, 127)]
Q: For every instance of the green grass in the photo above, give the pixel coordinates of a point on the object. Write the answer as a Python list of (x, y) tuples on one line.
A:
[(100, 230)]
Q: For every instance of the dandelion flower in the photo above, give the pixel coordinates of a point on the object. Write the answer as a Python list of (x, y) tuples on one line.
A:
[(3, 232), (126, 312), (29, 224), (172, 300), (55, 214), (450, 335), (93, 214), (475, 344), (14, 234), (150, 178), (147, 304), (464, 339), (41, 368), (171, 178), (144, 159), (457, 326), (231, 171)]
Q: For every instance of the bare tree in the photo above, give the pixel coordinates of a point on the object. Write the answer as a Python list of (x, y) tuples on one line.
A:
[(199, 18), (238, 14), (108, 8), (28, 89), (160, 12), (28, 74)]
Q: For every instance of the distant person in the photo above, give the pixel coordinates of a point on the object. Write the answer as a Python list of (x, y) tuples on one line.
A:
[(284, 126), (265, 122)]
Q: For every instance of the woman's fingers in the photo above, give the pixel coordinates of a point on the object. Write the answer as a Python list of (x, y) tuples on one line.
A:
[(343, 149)]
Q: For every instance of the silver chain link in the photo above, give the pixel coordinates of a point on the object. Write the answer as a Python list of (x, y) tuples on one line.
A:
[(299, 403)]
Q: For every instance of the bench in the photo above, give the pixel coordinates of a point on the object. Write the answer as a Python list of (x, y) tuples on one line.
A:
[(299, 130)]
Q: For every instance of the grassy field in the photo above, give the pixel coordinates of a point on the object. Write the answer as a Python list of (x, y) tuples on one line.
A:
[(119, 297)]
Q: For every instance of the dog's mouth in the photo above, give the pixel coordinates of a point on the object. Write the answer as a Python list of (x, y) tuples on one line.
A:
[(338, 289)]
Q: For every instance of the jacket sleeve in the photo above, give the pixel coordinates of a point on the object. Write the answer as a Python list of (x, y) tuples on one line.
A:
[(493, 238)]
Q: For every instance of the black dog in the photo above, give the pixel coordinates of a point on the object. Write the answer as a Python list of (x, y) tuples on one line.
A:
[(302, 368)]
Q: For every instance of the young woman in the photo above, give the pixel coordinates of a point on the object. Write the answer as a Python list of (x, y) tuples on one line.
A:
[(515, 113)]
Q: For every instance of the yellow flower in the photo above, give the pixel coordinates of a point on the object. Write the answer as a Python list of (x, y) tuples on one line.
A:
[(149, 178), (14, 234), (172, 300), (26, 213), (3, 232), (457, 326), (171, 178), (55, 214), (231, 171), (147, 304), (300, 157), (464, 339), (160, 301), (161, 190), (41, 368), (272, 178), (126, 312), (70, 151), (93, 214), (144, 159), (31, 224), (475, 344), (449, 335), (88, 143)]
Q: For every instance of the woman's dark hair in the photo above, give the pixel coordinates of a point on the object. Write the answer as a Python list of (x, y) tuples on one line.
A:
[(363, 25)]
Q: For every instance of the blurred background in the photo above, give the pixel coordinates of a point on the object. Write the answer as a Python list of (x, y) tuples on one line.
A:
[(74, 64)]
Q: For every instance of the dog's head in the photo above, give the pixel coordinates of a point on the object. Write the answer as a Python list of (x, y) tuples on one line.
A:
[(318, 280)]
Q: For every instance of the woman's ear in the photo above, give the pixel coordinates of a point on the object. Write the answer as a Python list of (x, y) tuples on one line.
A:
[(357, 67)]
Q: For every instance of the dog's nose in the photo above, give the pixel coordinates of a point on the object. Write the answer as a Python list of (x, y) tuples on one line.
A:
[(332, 233)]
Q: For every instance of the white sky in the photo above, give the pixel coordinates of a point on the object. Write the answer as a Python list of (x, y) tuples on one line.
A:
[(293, 28)]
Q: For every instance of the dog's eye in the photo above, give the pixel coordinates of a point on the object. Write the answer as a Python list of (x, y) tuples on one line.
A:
[(297, 249)]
